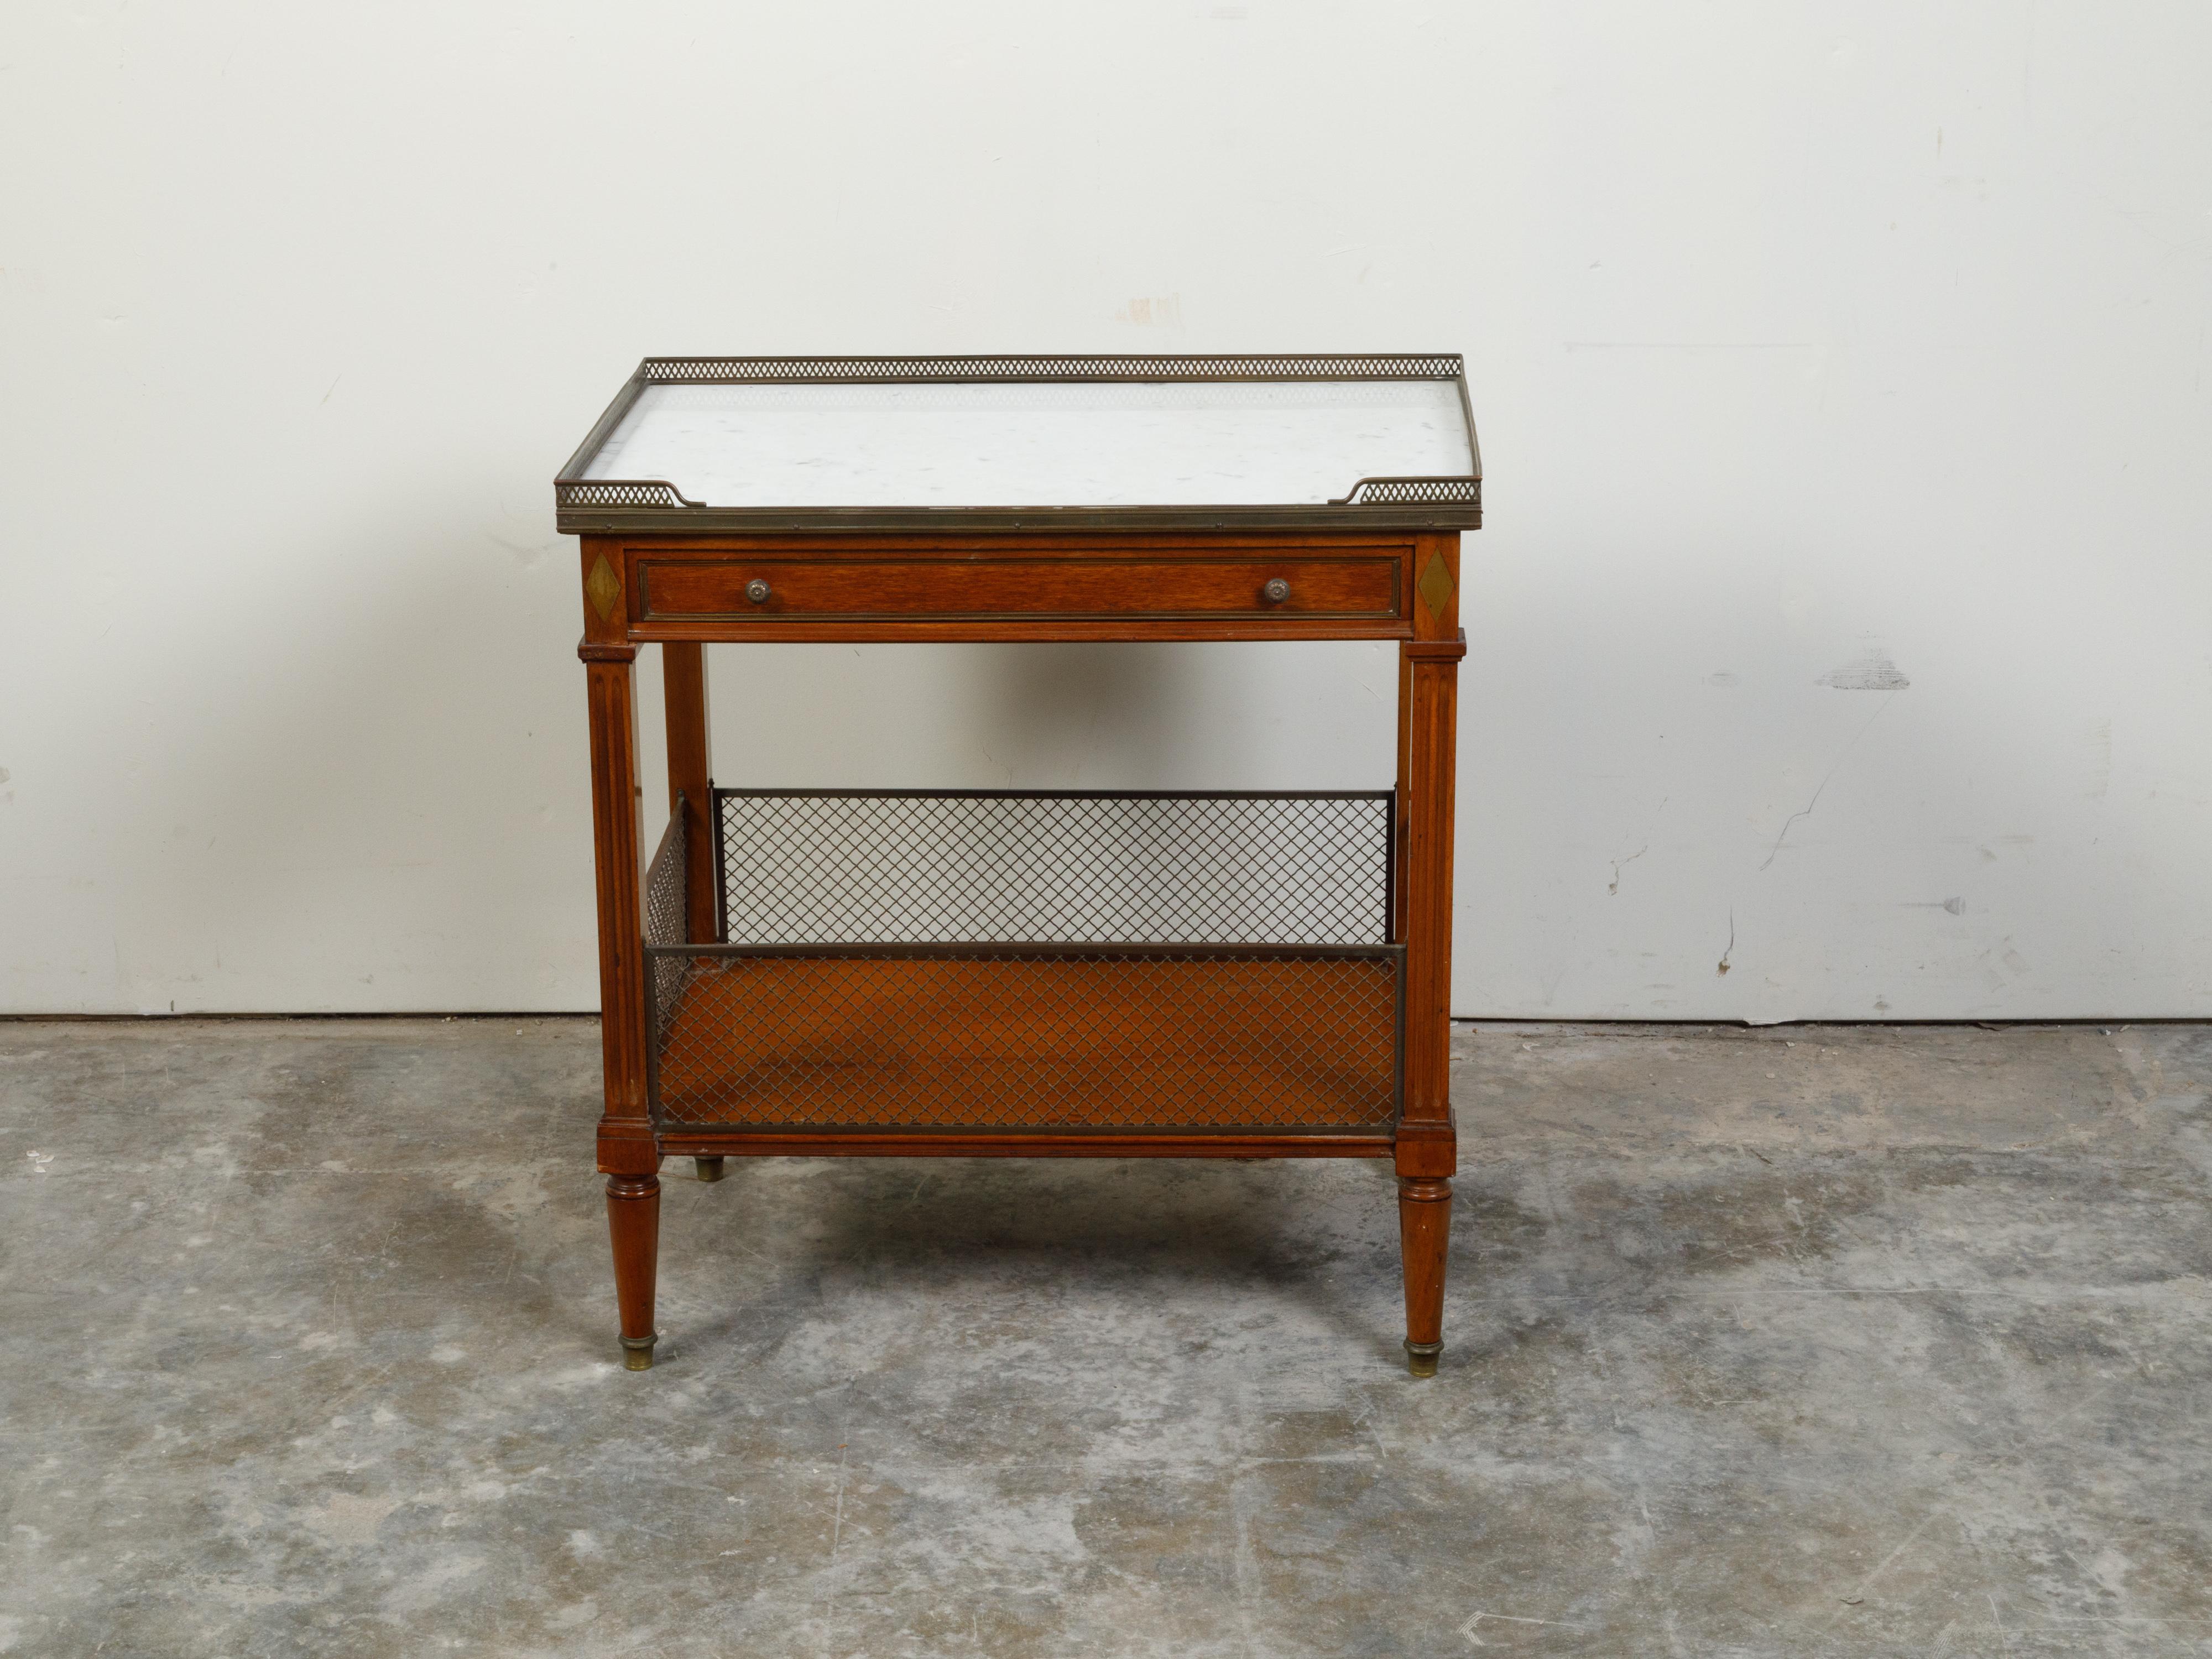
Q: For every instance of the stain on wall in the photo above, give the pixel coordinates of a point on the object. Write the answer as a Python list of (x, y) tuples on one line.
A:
[(1161, 311)]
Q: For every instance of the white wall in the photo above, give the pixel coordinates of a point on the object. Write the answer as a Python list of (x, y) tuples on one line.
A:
[(1803, 339)]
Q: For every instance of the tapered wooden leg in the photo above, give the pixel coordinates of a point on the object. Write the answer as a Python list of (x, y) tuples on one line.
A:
[(1424, 1236), (629, 1156), (1427, 1149), (634, 1220)]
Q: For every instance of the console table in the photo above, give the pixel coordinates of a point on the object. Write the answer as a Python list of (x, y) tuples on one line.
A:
[(1030, 974)]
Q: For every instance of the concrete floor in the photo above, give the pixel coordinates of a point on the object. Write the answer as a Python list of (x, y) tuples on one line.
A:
[(1793, 1342)]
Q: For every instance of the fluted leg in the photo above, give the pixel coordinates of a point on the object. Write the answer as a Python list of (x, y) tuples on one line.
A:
[(634, 1220), (1424, 1236)]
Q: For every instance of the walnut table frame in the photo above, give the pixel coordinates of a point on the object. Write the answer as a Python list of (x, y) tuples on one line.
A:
[(1048, 562)]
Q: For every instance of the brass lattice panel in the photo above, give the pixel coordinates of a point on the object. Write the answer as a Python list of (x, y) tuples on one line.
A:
[(818, 866), (828, 1015)]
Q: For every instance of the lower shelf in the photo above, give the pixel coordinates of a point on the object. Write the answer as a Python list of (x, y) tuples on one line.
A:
[(1028, 1038)]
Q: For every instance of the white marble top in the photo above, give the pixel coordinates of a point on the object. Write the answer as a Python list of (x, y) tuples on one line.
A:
[(1163, 444)]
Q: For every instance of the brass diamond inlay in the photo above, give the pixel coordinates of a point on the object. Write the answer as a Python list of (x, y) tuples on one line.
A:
[(1436, 585), (603, 587)]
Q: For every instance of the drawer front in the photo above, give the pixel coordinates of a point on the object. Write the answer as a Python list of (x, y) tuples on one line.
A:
[(1362, 587)]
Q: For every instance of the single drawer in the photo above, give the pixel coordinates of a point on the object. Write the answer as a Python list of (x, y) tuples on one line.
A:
[(1366, 586)]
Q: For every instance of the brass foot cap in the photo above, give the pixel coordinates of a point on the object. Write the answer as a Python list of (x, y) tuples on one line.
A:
[(637, 1351), (1421, 1357), (710, 1169)]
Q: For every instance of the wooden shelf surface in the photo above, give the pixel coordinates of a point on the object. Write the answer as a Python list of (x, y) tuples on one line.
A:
[(1035, 1043)]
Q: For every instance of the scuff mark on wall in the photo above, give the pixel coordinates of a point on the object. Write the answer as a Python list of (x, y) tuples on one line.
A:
[(528, 554), (1725, 955), (2001, 963), (1871, 670), (1614, 886), (2099, 737)]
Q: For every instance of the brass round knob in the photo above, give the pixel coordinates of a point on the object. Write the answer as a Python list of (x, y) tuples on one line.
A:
[(757, 590), (1276, 591)]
